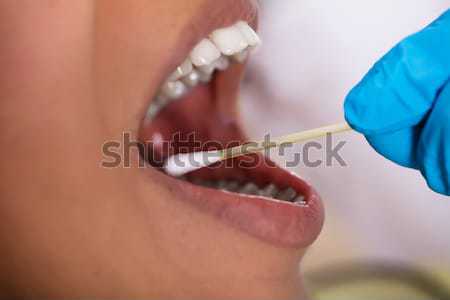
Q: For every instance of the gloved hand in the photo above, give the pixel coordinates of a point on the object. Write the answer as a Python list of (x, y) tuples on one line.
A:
[(402, 105)]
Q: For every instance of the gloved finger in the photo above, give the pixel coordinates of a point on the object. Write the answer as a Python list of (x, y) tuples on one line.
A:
[(400, 89), (399, 146), (434, 145)]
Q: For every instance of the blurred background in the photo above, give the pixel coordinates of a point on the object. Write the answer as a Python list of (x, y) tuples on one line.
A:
[(381, 218)]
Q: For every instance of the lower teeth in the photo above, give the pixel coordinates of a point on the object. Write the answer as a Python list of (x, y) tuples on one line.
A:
[(249, 188)]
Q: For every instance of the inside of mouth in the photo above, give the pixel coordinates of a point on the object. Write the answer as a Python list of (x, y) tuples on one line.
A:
[(204, 120), (245, 176)]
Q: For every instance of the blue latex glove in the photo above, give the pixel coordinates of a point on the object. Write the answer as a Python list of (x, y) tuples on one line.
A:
[(402, 105)]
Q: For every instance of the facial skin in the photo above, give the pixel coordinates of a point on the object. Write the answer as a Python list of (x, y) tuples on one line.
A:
[(75, 74)]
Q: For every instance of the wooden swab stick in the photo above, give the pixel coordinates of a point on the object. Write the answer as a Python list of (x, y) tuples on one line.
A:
[(181, 164)]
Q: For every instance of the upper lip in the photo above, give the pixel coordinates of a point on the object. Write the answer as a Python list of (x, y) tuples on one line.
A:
[(280, 223)]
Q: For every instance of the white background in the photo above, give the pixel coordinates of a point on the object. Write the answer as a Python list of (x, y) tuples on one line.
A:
[(314, 51)]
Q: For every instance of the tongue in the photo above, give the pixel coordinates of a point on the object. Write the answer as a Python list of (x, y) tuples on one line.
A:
[(206, 120)]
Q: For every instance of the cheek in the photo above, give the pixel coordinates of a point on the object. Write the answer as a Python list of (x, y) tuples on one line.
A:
[(132, 41), (47, 74), (46, 49)]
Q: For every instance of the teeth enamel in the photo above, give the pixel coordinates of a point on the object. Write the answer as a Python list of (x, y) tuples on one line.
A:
[(241, 57), (227, 45), (184, 69), (288, 194), (249, 189), (229, 40), (300, 200), (192, 79), (222, 63), (204, 78), (204, 53), (232, 186), (158, 104), (174, 89), (250, 35), (269, 191), (222, 184), (207, 69)]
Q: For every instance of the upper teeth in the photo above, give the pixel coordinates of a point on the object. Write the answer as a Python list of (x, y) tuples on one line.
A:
[(250, 35), (229, 40), (184, 69), (204, 53), (210, 54)]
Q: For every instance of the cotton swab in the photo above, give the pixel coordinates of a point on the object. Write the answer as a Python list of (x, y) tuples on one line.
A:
[(181, 164)]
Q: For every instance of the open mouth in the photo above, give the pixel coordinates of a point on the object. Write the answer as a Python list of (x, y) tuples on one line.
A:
[(196, 110)]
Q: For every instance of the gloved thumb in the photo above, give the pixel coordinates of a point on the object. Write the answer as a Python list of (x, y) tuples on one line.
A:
[(399, 91), (434, 145)]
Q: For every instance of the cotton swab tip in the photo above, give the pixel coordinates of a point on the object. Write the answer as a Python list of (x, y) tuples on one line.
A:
[(181, 164)]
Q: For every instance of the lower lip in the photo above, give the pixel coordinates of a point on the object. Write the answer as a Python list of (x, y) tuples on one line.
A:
[(280, 223)]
